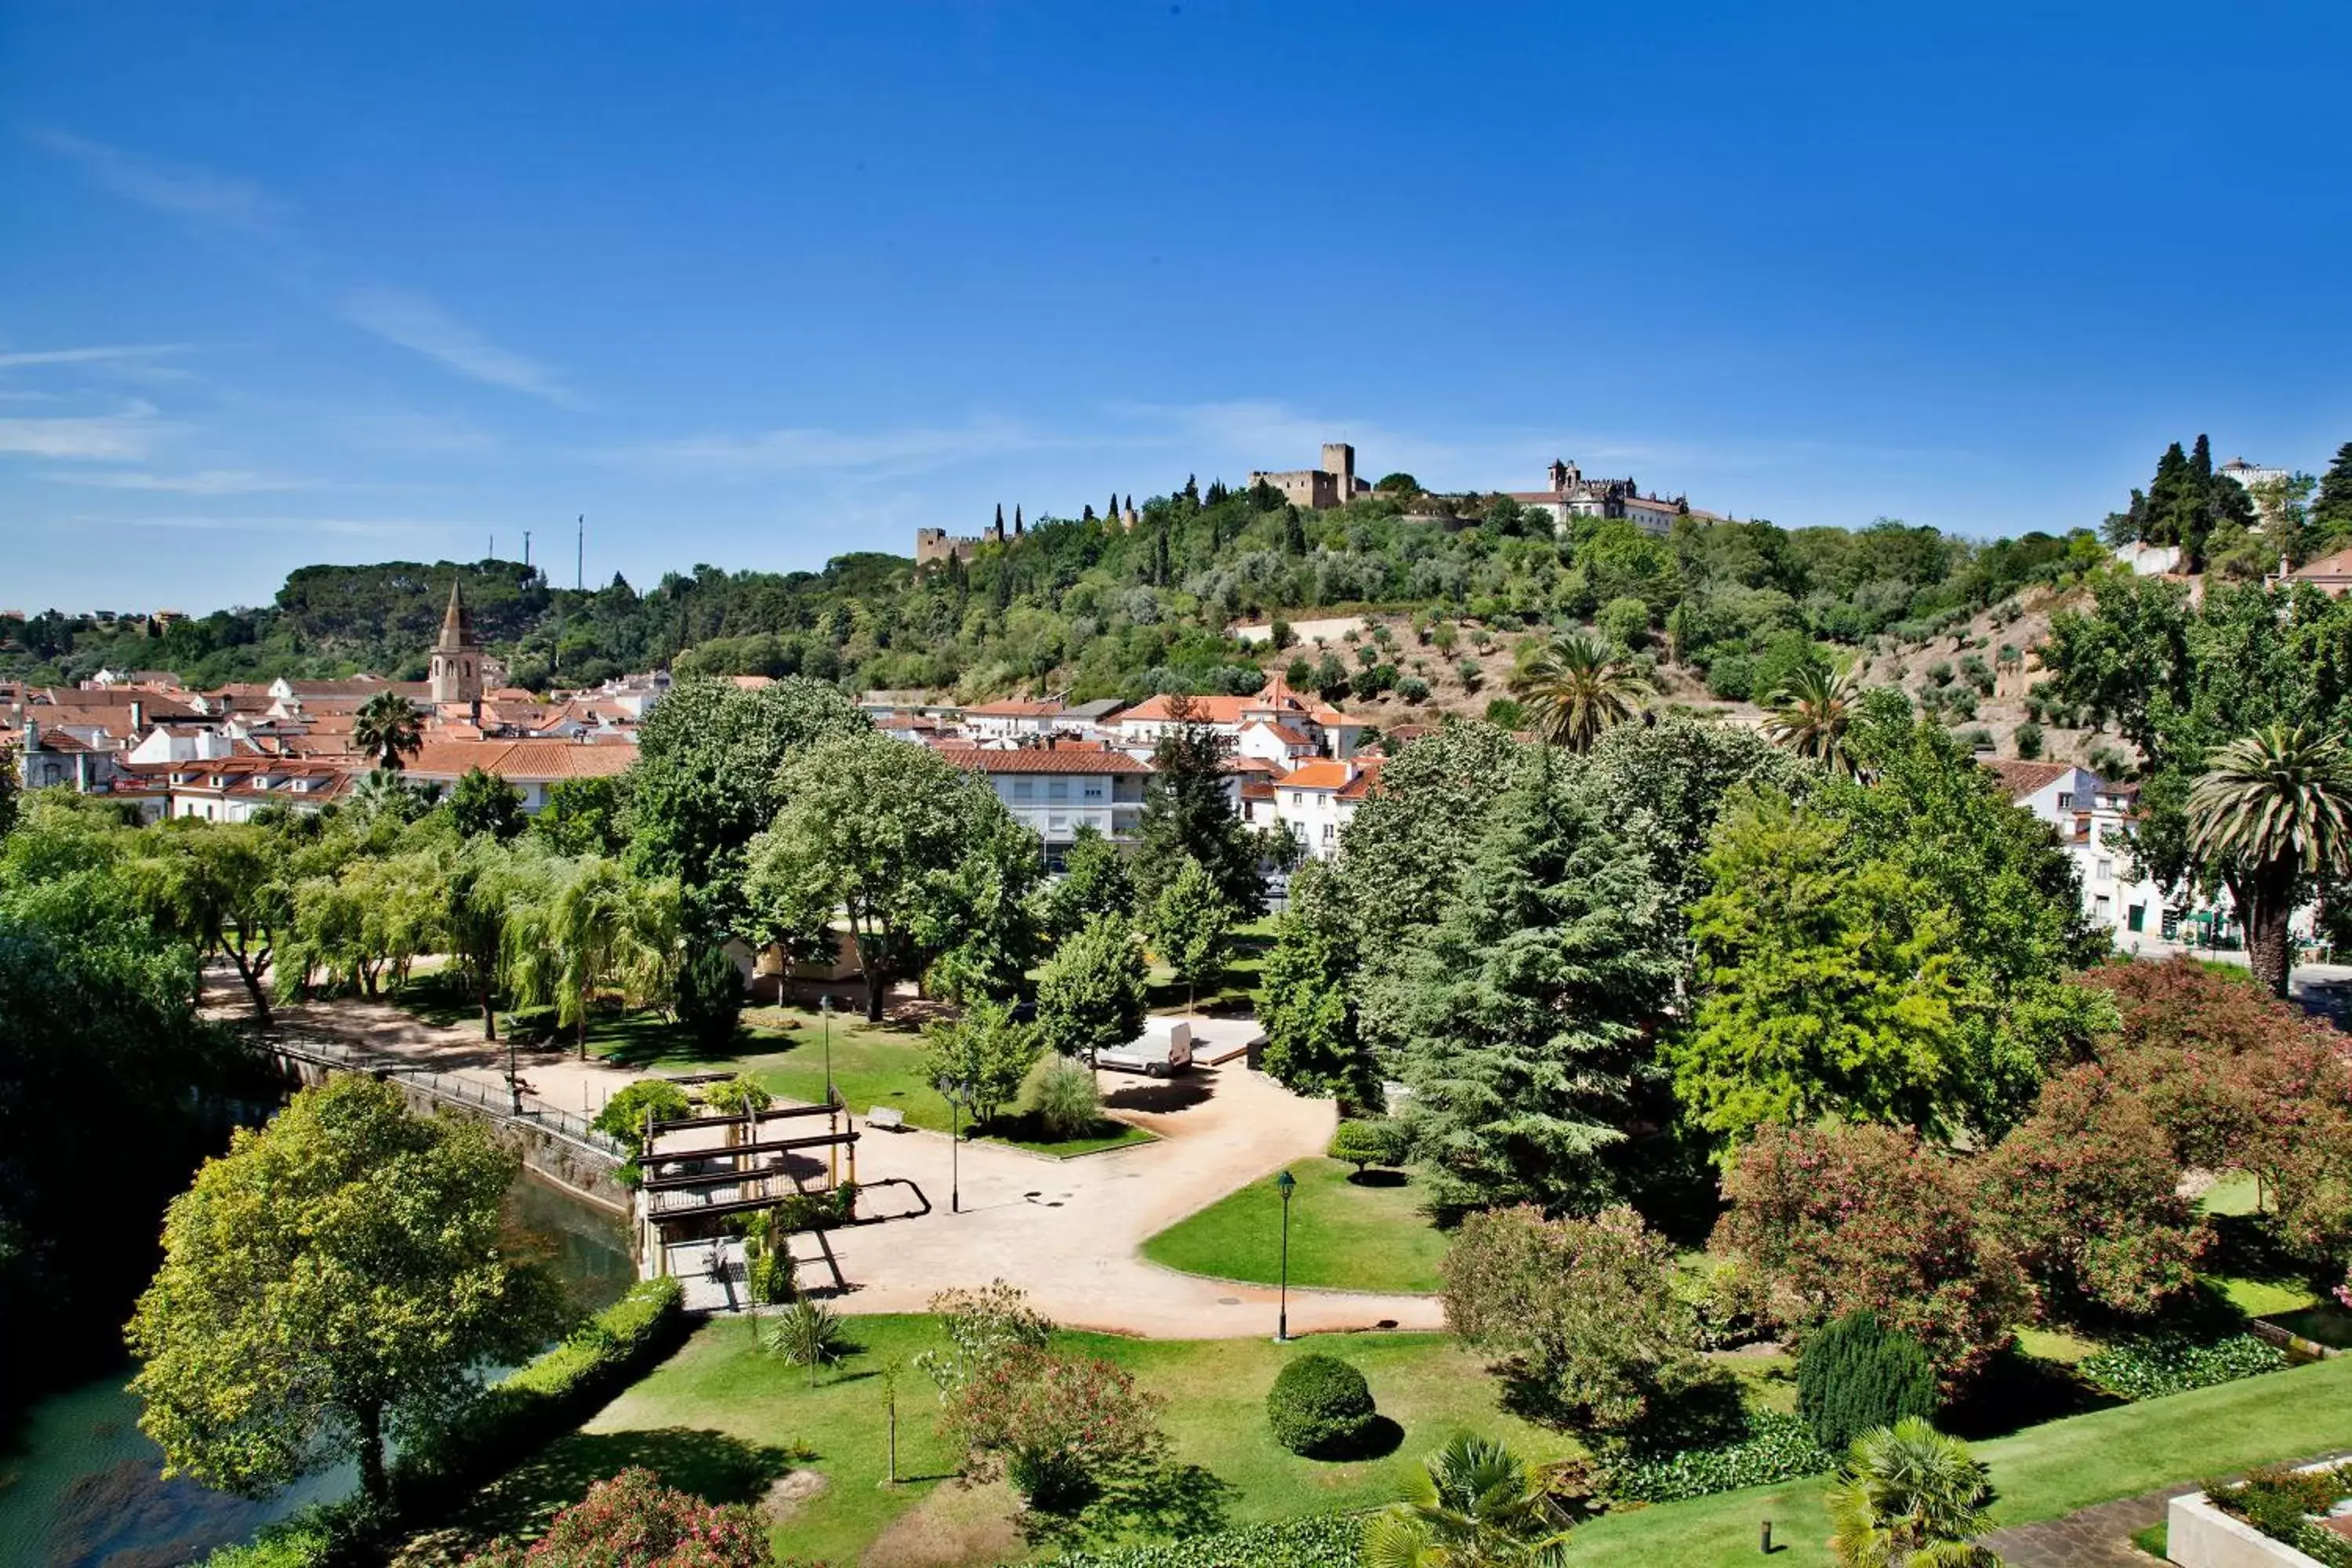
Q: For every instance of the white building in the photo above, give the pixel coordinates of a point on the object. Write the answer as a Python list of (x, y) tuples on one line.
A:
[(1012, 720), (1056, 787), (1317, 801)]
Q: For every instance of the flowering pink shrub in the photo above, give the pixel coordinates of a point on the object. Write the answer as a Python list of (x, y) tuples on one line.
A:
[(633, 1521), (1832, 1222), (1060, 1427)]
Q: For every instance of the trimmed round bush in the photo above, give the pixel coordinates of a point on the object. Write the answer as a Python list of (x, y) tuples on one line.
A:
[(1362, 1143), (1320, 1404), (1856, 1375)]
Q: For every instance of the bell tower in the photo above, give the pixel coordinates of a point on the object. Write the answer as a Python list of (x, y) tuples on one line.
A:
[(456, 657)]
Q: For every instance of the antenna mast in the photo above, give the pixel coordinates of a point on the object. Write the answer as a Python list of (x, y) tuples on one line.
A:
[(526, 550), (580, 562)]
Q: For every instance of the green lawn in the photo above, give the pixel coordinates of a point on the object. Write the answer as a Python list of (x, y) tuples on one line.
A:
[(1234, 991), (2040, 1473), (722, 1418), (1343, 1235)]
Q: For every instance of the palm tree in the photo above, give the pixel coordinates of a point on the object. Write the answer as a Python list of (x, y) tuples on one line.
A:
[(1910, 1497), (1577, 687), (590, 927), (2272, 815), (1811, 714), (1474, 1507), (385, 728), (381, 790)]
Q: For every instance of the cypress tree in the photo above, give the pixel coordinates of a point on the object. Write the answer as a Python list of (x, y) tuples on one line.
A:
[(2329, 522), (1293, 532), (1000, 519), (1016, 520), (1856, 1375)]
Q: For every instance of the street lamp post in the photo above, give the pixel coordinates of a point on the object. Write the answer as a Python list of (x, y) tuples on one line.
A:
[(1284, 1184), (832, 1151), (955, 1148), (514, 1084)]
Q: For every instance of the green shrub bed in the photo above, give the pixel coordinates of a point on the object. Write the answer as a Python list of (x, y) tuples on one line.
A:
[(2158, 1365), (2276, 1502), (1317, 1540), (1777, 1448)]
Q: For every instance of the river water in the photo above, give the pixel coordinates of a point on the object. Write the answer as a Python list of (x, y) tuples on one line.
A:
[(80, 1486)]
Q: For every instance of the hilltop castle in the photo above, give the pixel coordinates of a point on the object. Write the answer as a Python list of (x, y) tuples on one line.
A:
[(1319, 490)]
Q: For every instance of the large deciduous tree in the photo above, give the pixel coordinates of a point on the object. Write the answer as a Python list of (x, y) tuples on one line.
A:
[(708, 779), (1090, 992), (222, 888), (916, 857), (1522, 1020), (591, 926), (1313, 1042), (328, 1287), (1192, 928), (979, 1059)]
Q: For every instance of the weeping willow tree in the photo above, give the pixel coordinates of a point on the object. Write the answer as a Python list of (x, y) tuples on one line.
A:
[(591, 927)]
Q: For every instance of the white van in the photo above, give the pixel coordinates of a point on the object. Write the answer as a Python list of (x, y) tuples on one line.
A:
[(1165, 1051)]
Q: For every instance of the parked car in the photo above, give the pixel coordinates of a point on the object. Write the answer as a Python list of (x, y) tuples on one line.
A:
[(1165, 1051)]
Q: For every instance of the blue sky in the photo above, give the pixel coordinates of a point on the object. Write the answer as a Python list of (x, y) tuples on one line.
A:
[(756, 285)]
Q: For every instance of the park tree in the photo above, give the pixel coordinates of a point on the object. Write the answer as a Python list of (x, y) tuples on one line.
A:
[(222, 887), (386, 727), (486, 805), (622, 1118), (330, 1286), (979, 1060), (1410, 842), (1192, 928), (2272, 817), (2085, 1194), (1846, 1219), (1581, 1316), (1812, 713), (2330, 523), (1522, 1017), (915, 856), (1575, 688), (97, 1015), (1094, 881), (708, 779), (1187, 815), (481, 884), (1061, 1429), (1090, 992), (1313, 1042), (590, 926), (581, 816)]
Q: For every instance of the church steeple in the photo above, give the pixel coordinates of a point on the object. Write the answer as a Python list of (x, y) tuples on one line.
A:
[(456, 657)]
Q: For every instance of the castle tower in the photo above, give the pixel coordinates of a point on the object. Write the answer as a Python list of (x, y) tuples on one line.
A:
[(456, 657), (1339, 460)]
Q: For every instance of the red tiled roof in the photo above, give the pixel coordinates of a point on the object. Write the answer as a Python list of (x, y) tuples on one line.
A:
[(1014, 708), (1322, 773), (1066, 759), (2019, 778), (530, 761)]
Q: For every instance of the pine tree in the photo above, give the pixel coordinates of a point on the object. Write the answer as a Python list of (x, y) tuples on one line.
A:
[(2329, 525), (1187, 816), (1523, 1018)]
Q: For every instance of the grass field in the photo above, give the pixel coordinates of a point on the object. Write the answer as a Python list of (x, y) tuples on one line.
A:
[(2042, 1472), (1344, 1234), (724, 1419)]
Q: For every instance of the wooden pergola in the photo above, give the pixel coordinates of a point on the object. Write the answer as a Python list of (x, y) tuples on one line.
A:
[(691, 1186)]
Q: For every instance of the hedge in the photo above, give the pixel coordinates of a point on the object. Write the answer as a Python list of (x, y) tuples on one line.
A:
[(1777, 1448), (1317, 1541), (513, 1420), (2158, 1364)]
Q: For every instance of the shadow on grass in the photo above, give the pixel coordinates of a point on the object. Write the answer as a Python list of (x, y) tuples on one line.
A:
[(714, 1466), (1381, 1437), (1180, 1501), (1378, 1179), (2017, 1391)]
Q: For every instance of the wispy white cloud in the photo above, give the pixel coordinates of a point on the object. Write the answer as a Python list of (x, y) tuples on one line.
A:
[(197, 195), (205, 482), (222, 204), (129, 436), (816, 448), (359, 526), (416, 323), (107, 353)]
